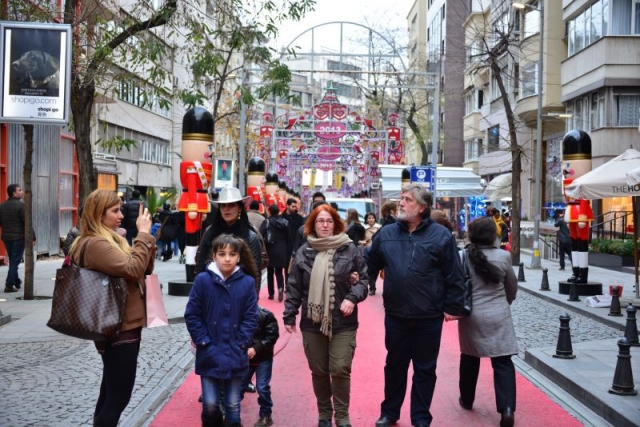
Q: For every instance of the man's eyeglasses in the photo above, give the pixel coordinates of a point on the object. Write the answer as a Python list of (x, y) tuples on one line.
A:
[(324, 221)]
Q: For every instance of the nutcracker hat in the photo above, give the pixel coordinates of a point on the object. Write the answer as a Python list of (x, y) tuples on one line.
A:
[(232, 195)]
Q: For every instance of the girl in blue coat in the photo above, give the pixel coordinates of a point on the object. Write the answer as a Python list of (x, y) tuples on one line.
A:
[(221, 315)]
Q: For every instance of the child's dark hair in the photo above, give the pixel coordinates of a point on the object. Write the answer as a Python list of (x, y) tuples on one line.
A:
[(482, 232), (247, 263)]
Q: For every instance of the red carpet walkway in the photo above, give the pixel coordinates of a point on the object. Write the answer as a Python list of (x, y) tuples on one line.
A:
[(294, 402)]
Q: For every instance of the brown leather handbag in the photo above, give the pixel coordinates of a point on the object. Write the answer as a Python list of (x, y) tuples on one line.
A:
[(87, 304)]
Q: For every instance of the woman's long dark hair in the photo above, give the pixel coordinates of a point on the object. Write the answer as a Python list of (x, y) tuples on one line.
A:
[(482, 234), (240, 246)]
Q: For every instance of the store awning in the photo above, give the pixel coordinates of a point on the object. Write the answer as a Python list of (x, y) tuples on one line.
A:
[(450, 182), (499, 188)]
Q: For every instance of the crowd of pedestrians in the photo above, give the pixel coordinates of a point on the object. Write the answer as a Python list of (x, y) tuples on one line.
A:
[(321, 267)]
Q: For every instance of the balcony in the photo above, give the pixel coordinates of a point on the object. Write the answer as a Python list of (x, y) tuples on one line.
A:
[(610, 59)]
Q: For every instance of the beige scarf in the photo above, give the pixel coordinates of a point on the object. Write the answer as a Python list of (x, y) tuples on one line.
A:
[(321, 285)]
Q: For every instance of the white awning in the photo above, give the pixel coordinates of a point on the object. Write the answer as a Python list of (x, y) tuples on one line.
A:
[(499, 188), (450, 182)]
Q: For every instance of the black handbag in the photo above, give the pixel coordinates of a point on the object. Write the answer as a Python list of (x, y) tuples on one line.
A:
[(467, 303), (269, 238), (87, 304)]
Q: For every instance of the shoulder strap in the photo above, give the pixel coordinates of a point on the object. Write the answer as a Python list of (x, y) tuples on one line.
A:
[(465, 263)]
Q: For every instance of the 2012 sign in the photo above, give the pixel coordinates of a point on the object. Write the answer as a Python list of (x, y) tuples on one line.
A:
[(330, 130)]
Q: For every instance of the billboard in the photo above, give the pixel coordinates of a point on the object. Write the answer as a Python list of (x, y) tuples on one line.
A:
[(224, 173), (36, 68)]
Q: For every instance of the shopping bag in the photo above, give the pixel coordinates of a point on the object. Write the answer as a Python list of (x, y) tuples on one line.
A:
[(156, 313)]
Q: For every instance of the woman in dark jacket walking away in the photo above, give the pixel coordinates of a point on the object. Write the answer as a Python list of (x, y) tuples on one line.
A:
[(231, 218), (489, 331), (278, 228), (320, 282), (388, 213)]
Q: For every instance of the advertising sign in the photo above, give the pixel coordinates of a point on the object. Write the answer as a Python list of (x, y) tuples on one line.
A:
[(423, 175), (36, 68), (224, 173)]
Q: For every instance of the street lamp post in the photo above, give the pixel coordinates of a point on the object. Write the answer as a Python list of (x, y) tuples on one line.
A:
[(535, 260)]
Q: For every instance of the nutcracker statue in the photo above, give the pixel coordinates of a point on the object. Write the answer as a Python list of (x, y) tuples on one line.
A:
[(255, 181), (271, 189), (195, 177), (576, 161)]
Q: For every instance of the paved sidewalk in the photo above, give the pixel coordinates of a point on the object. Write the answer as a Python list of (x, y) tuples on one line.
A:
[(588, 377)]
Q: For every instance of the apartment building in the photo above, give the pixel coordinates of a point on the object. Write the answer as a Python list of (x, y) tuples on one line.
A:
[(446, 57), (600, 79)]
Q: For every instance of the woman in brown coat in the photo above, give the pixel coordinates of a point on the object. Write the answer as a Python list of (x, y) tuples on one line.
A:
[(100, 248), (489, 331)]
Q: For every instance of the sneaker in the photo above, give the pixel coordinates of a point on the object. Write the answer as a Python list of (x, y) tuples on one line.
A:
[(8, 289), (561, 268), (250, 388), (263, 421)]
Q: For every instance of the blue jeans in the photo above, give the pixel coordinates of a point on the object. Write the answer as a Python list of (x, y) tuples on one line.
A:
[(263, 372), (15, 251), (211, 396), (417, 341)]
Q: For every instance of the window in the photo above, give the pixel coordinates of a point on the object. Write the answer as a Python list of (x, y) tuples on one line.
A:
[(602, 18), (473, 149), (493, 142), (531, 23), (626, 109), (529, 79), (141, 96)]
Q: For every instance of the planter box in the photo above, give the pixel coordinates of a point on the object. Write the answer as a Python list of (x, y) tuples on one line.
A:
[(598, 259)]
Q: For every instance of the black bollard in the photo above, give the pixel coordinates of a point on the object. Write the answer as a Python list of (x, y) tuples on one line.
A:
[(521, 273), (573, 292), (564, 350), (614, 310), (631, 329), (623, 377), (544, 286)]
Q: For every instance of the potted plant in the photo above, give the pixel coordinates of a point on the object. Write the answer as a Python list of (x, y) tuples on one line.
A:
[(611, 253)]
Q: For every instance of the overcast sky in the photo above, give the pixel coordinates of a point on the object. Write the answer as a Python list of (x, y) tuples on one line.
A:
[(391, 13)]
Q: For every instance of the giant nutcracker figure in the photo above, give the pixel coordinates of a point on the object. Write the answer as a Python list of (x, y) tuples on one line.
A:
[(255, 181), (195, 177), (271, 189), (576, 161)]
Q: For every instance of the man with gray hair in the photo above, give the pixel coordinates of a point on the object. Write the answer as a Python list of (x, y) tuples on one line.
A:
[(423, 285)]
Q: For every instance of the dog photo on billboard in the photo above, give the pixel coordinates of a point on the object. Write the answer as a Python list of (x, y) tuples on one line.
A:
[(35, 64)]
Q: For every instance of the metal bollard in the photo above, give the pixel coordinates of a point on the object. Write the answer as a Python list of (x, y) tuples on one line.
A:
[(573, 291), (631, 329), (564, 350), (521, 272), (614, 310), (623, 377), (544, 286)]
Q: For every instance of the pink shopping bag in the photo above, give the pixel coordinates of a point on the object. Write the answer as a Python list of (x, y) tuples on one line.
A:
[(156, 313)]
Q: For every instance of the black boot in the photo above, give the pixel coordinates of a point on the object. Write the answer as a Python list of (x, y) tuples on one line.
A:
[(213, 421), (230, 424), (574, 277), (584, 276)]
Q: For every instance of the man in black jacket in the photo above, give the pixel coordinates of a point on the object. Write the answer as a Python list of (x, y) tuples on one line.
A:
[(564, 239), (130, 211), (261, 362), (423, 284), (12, 223)]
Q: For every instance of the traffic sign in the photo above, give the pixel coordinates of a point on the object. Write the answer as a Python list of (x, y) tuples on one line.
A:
[(424, 175)]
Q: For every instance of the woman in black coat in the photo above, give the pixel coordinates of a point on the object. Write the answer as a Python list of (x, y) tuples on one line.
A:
[(231, 218), (278, 227)]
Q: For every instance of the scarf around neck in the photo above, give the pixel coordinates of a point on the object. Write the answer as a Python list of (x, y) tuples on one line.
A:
[(321, 284)]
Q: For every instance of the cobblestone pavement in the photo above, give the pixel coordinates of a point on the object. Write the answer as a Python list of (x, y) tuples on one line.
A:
[(54, 383), (537, 324)]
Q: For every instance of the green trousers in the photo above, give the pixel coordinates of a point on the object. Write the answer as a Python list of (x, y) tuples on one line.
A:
[(330, 364)]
